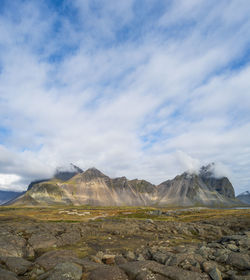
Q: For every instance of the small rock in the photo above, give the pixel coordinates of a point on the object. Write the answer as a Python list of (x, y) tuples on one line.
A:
[(159, 257), (130, 256), (222, 258), (140, 258), (232, 247), (215, 245), (100, 254), (108, 259), (120, 260), (96, 259), (207, 266), (215, 274), (148, 275)]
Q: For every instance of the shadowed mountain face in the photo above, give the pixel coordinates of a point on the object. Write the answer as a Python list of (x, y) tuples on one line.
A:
[(222, 185), (92, 187), (244, 197), (194, 189)]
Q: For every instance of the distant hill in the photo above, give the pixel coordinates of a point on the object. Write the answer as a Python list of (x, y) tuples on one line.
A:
[(6, 196), (244, 197), (92, 187)]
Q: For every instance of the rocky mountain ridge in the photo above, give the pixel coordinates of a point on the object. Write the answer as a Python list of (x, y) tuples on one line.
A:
[(6, 196), (244, 197), (92, 187)]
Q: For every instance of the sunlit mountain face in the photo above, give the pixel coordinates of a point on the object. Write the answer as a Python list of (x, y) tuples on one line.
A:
[(92, 187)]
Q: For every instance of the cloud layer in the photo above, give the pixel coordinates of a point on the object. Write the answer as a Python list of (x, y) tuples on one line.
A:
[(144, 89)]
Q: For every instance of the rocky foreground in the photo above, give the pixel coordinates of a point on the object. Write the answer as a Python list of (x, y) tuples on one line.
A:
[(122, 249)]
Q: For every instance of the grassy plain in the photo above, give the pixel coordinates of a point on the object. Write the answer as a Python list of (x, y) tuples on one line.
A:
[(88, 213)]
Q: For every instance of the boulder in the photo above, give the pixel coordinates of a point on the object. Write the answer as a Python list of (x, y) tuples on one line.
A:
[(7, 275), (89, 265), (107, 273), (42, 241), (147, 268), (17, 264), (69, 238), (12, 245), (63, 271), (239, 260), (177, 273), (159, 257), (50, 259)]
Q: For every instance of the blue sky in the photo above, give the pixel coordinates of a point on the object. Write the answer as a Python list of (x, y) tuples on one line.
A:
[(145, 89)]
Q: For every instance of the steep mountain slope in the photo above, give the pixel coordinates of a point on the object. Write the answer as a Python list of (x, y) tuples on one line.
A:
[(204, 188), (6, 196), (220, 184), (92, 187), (191, 189), (244, 197)]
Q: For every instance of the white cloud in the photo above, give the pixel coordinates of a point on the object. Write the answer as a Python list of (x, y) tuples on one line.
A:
[(220, 170), (188, 163), (148, 105), (8, 181)]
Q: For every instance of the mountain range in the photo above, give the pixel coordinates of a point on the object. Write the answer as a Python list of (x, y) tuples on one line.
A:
[(244, 197), (6, 196), (92, 187)]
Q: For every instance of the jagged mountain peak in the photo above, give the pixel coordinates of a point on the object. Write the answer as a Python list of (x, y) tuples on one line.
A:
[(94, 172), (244, 197), (89, 175), (207, 170), (187, 175), (245, 193), (69, 168), (65, 173)]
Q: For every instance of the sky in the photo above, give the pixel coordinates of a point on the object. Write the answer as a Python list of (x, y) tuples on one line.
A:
[(142, 89)]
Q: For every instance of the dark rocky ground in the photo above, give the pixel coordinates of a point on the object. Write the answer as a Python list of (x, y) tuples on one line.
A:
[(119, 249)]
